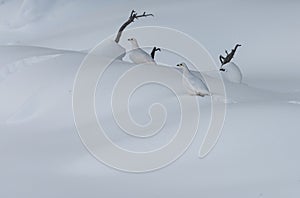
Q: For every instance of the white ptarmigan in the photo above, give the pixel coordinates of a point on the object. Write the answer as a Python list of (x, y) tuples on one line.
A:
[(192, 83), (138, 55)]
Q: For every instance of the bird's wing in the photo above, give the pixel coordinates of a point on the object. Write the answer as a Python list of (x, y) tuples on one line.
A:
[(147, 56), (198, 84)]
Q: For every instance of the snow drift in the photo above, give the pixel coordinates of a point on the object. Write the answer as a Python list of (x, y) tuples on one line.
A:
[(232, 73)]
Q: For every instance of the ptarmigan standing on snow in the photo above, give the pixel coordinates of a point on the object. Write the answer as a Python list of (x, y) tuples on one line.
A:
[(138, 55), (192, 83)]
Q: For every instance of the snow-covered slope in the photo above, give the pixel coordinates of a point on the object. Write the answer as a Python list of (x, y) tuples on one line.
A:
[(36, 111), (232, 73), (34, 73), (41, 153)]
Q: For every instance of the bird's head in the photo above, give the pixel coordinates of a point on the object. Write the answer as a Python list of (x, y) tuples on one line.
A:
[(181, 65), (133, 42)]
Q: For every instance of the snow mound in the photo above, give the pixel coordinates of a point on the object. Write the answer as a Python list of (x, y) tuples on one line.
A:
[(110, 49), (15, 58), (23, 63), (42, 84), (13, 53), (39, 84), (232, 73)]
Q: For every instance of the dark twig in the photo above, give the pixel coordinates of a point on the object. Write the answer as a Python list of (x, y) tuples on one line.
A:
[(228, 57), (153, 51), (132, 17)]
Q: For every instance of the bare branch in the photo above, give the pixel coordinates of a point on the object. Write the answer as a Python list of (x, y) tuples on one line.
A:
[(132, 17), (153, 51), (143, 15), (229, 56)]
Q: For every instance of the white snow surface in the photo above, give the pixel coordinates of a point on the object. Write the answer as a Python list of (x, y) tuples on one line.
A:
[(43, 43), (232, 73)]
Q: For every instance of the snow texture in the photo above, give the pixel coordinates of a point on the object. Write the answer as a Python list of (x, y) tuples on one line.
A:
[(232, 73), (42, 154)]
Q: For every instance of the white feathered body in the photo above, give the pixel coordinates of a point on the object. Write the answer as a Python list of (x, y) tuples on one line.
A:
[(139, 56), (193, 84)]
